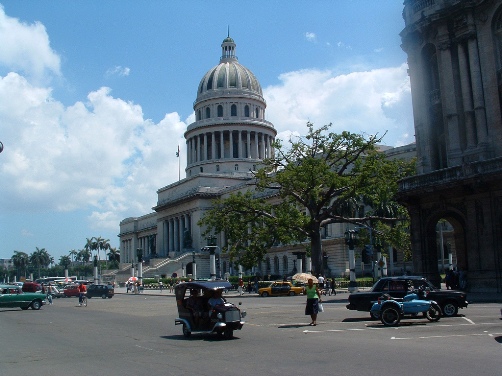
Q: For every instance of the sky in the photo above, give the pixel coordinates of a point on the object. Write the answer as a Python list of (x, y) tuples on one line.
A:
[(95, 97)]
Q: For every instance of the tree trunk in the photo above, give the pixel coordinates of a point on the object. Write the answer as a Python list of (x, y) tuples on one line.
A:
[(316, 253)]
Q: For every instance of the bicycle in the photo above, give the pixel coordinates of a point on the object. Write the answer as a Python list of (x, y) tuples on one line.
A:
[(83, 302)]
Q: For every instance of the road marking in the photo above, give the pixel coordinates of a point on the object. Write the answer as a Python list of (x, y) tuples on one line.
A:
[(469, 320), (446, 336)]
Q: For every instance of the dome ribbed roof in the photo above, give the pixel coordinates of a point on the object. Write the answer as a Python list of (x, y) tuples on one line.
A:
[(228, 75)]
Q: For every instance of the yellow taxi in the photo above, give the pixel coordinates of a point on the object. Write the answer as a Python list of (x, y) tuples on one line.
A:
[(280, 288)]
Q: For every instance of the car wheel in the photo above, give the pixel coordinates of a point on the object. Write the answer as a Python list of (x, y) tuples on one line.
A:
[(450, 309), (390, 316), (187, 333), (292, 293), (434, 313), (36, 304), (264, 294), (229, 333), (103, 296)]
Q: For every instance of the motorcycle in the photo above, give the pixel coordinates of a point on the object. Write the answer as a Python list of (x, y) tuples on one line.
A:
[(391, 310)]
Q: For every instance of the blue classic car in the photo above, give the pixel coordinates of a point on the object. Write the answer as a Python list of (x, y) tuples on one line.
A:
[(12, 296)]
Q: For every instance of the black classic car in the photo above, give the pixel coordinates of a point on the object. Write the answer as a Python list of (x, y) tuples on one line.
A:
[(449, 300)]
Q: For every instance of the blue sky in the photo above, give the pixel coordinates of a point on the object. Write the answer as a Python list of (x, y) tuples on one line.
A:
[(95, 97)]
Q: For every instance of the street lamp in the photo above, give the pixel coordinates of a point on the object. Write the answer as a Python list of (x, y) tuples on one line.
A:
[(211, 247), (350, 240), (194, 267), (139, 254)]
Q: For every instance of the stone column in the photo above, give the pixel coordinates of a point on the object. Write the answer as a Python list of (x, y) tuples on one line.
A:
[(477, 90), (248, 144), (256, 143), (239, 145), (213, 145), (262, 148), (204, 158), (465, 85), (171, 235), (231, 137), (222, 146)]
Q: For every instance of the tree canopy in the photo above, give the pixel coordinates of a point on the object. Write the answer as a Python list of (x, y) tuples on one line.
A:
[(315, 180)]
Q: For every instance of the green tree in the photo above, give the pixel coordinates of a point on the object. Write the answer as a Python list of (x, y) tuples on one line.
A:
[(20, 261), (65, 261), (40, 258), (318, 179)]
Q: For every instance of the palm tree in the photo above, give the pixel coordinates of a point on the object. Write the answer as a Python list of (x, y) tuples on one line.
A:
[(114, 254), (84, 255), (73, 255), (64, 261), (20, 261), (40, 258)]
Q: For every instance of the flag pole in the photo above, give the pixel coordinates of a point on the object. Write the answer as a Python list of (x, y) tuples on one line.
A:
[(179, 163)]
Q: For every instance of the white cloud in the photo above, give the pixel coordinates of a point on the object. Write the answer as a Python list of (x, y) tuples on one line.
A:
[(366, 102), (118, 71), (311, 37), (343, 45), (100, 155), (26, 49)]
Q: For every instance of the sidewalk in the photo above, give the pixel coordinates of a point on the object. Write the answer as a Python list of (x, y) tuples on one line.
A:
[(342, 294)]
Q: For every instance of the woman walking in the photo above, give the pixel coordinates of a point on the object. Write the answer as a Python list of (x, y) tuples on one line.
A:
[(313, 300)]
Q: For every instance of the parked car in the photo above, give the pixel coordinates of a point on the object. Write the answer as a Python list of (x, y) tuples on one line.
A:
[(13, 296), (100, 290), (280, 288), (70, 290), (31, 287), (397, 287)]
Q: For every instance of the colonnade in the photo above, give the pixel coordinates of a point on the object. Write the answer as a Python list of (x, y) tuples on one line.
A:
[(229, 144), (173, 231)]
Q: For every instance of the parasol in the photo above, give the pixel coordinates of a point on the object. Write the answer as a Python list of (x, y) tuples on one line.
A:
[(304, 277)]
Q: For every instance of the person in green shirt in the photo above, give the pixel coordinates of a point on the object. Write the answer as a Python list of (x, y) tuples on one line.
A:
[(313, 300)]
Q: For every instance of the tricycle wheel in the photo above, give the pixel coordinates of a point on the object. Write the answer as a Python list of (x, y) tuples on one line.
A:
[(434, 313), (390, 316), (229, 333), (187, 333)]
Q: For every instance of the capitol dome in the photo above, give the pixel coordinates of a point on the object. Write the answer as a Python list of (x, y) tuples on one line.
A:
[(229, 74)]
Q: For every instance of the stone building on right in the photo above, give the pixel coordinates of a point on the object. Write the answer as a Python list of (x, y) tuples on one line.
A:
[(454, 50)]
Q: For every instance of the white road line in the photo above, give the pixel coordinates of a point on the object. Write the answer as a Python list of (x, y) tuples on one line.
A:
[(469, 320), (446, 336)]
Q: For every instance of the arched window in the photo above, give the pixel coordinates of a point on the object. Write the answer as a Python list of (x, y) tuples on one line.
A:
[(220, 110), (208, 113), (199, 115), (267, 261), (246, 111), (256, 113), (233, 110)]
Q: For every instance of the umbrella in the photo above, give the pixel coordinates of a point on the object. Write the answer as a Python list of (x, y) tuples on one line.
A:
[(133, 279), (304, 277)]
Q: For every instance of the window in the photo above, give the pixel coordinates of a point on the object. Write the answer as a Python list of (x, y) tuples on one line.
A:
[(220, 110), (246, 111), (256, 113), (201, 169), (217, 167), (233, 110), (236, 167), (199, 115), (208, 113)]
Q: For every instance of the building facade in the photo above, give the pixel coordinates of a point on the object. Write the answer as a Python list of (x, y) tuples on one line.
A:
[(226, 143), (454, 53)]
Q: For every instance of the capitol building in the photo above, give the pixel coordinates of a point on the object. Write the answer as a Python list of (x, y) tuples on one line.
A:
[(225, 144)]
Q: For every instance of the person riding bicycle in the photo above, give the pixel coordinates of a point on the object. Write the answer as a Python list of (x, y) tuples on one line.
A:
[(82, 290)]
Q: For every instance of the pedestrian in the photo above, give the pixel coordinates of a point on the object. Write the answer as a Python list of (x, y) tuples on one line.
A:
[(241, 286), (313, 300), (333, 286), (161, 286), (49, 294), (250, 287), (127, 287)]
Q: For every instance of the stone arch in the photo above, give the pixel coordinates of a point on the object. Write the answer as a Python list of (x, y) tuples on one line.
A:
[(458, 221)]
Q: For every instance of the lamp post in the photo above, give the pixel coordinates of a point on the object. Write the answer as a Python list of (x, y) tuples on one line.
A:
[(96, 269), (211, 246), (194, 267), (139, 254), (350, 239)]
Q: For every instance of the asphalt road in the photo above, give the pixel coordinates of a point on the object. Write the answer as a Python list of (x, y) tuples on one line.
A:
[(136, 335)]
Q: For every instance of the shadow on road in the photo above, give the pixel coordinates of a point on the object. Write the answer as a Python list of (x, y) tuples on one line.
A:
[(292, 326), (498, 339)]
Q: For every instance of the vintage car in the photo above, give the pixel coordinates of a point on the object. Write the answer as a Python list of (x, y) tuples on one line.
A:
[(100, 290), (13, 296), (397, 287), (197, 316), (71, 290), (280, 288)]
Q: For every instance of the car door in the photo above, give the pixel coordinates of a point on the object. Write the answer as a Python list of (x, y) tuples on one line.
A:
[(398, 288), (276, 288), (9, 298)]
